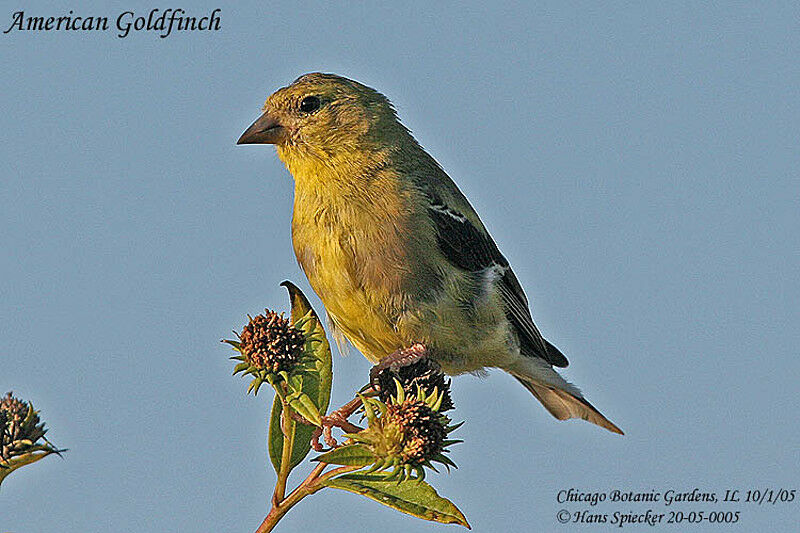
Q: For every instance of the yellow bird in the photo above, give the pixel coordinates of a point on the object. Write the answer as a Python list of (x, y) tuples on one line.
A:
[(393, 248)]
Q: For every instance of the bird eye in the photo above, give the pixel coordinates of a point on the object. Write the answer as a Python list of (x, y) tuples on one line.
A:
[(309, 104)]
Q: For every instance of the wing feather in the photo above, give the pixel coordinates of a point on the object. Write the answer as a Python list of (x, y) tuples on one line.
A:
[(469, 246)]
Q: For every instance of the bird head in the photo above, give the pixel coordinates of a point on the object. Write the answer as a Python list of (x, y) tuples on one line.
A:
[(323, 116)]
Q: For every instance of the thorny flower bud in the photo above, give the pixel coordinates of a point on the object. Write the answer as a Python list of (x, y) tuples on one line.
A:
[(411, 368), (407, 433), (20, 428), (269, 347), (268, 342), (423, 430)]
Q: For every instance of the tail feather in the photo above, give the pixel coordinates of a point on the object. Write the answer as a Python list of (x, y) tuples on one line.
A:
[(564, 405)]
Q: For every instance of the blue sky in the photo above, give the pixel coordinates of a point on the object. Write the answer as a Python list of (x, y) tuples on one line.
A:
[(638, 166)]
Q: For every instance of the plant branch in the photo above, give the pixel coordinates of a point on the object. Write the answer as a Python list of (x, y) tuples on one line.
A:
[(287, 428), (316, 479), (313, 483)]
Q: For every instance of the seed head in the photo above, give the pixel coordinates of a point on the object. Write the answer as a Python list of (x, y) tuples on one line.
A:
[(406, 434), (413, 369), (268, 342), (423, 430), (20, 427)]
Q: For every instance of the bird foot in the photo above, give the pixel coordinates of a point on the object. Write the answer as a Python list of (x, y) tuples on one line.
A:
[(337, 418), (398, 359)]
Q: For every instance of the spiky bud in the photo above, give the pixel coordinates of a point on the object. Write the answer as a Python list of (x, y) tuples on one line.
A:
[(269, 342), (423, 430), (20, 427), (412, 368), (406, 433)]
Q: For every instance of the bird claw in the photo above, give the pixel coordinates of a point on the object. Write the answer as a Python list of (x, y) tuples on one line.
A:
[(337, 418), (399, 359)]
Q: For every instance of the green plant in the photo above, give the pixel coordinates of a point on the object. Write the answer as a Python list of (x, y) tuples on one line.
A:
[(22, 439), (404, 404)]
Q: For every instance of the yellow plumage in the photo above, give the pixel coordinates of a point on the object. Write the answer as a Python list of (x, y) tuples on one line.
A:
[(392, 247)]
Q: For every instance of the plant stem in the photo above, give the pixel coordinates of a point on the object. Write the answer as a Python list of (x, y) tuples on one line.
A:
[(313, 483), (316, 479), (287, 428)]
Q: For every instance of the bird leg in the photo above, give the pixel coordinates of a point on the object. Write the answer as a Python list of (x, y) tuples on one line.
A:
[(398, 359), (337, 418)]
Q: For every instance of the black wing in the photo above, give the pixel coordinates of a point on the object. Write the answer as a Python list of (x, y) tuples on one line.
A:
[(472, 249)]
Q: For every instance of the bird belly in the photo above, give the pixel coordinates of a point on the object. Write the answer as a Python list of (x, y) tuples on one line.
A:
[(364, 312), (383, 297), (364, 322)]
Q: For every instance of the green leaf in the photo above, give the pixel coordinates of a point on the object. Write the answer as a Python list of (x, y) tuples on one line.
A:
[(300, 438), (411, 496), (305, 407), (317, 351), (275, 438), (349, 455), (309, 386)]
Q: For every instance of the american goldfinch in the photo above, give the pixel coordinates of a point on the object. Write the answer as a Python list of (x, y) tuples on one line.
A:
[(393, 248)]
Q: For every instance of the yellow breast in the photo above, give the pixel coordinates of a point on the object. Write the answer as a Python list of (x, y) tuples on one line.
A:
[(355, 260)]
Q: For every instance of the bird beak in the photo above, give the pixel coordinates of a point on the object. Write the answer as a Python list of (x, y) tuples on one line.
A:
[(265, 130)]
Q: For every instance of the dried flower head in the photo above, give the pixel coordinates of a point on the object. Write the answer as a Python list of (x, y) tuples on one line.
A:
[(407, 433), (413, 369), (423, 430), (270, 343), (21, 430), (14, 408)]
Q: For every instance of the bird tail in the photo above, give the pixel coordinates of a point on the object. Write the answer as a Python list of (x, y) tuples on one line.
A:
[(564, 404)]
